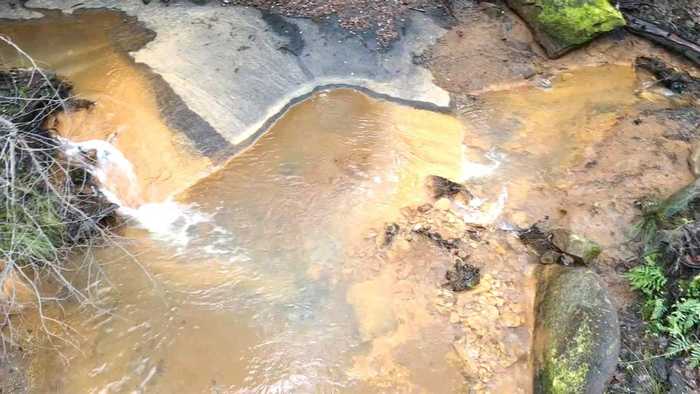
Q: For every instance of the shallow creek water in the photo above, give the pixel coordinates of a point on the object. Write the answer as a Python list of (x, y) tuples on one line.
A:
[(250, 295), (264, 276)]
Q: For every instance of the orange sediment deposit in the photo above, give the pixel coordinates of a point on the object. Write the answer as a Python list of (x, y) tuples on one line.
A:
[(486, 331)]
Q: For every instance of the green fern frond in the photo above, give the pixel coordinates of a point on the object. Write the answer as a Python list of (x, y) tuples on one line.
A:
[(694, 356), (648, 278), (653, 311), (679, 345), (684, 317), (693, 289)]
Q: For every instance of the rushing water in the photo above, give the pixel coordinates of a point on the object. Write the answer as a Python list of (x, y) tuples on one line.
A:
[(263, 276)]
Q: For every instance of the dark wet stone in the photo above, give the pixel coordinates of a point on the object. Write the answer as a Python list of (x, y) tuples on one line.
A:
[(462, 276), (283, 27), (427, 231), (577, 335), (442, 187), (390, 232), (675, 80), (575, 246), (550, 257), (559, 245)]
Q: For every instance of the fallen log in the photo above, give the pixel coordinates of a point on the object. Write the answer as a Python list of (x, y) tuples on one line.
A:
[(668, 39), (674, 24)]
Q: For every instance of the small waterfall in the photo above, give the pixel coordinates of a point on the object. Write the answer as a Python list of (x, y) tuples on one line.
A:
[(168, 221), (480, 211), (111, 168)]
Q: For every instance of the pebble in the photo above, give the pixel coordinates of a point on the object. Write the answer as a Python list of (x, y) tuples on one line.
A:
[(454, 318), (511, 320), (443, 204)]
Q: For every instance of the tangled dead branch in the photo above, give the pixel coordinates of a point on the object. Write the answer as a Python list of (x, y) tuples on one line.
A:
[(49, 204)]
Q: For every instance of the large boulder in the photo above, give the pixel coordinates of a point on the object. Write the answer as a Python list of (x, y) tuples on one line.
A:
[(577, 335), (562, 25)]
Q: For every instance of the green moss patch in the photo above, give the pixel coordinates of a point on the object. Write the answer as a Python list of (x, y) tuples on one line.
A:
[(565, 372), (561, 25), (575, 22)]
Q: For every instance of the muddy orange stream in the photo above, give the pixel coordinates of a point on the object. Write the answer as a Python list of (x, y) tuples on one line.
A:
[(266, 275)]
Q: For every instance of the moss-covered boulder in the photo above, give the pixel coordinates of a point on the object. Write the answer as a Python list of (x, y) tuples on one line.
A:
[(562, 25), (577, 337)]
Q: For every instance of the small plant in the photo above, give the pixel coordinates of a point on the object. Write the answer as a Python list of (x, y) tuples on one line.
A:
[(684, 317), (653, 311), (648, 278), (693, 287), (668, 277), (684, 345)]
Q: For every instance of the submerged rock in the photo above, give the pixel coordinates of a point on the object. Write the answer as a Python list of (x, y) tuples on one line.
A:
[(577, 336), (391, 230), (441, 188), (562, 25), (678, 81)]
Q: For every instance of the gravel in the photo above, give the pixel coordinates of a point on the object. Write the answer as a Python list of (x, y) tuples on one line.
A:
[(382, 18)]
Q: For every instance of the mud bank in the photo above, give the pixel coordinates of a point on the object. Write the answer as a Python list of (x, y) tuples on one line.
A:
[(237, 67), (632, 148)]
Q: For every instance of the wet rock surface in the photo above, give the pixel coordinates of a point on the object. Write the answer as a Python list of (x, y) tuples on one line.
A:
[(677, 81), (559, 245), (577, 337), (488, 324), (278, 61), (587, 201)]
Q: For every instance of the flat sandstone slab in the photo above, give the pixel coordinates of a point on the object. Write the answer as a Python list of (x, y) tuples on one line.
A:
[(239, 68)]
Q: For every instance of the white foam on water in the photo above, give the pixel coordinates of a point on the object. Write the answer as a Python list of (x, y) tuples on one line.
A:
[(167, 221), (480, 211), (114, 171), (473, 170)]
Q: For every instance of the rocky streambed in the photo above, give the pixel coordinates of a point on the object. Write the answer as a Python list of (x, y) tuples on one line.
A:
[(384, 222)]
